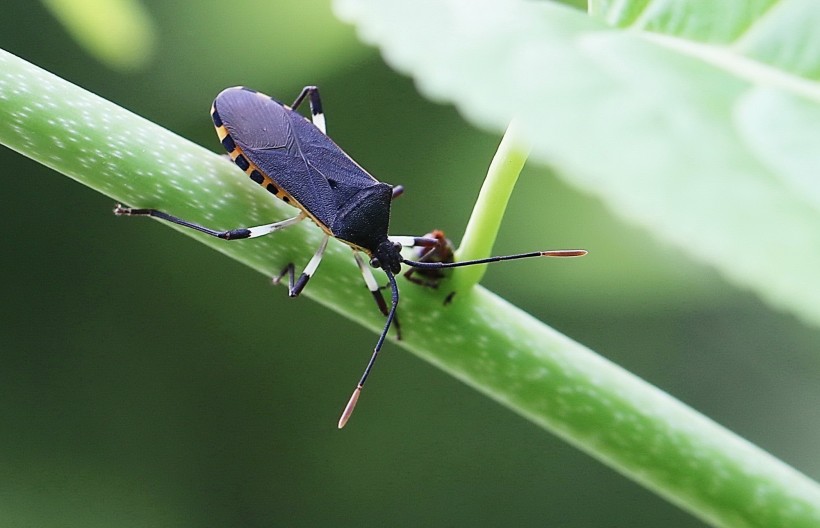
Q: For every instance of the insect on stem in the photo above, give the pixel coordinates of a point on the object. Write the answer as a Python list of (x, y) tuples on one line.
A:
[(294, 160)]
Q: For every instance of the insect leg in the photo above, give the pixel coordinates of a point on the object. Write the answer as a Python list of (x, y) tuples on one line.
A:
[(375, 290), (295, 287), (231, 234), (414, 241), (316, 114)]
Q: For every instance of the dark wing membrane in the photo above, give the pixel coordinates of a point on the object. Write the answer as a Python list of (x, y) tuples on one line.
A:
[(292, 152)]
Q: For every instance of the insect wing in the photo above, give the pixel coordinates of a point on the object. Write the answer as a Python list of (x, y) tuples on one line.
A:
[(292, 152)]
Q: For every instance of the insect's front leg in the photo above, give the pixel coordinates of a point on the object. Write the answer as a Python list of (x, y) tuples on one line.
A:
[(414, 241)]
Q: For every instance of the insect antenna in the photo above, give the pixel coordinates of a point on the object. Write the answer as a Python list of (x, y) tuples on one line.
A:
[(354, 398), (548, 253)]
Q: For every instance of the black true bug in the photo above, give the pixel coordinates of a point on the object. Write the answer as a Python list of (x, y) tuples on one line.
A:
[(293, 159)]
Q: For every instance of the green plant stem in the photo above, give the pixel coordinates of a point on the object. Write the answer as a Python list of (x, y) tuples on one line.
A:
[(479, 338), (488, 212)]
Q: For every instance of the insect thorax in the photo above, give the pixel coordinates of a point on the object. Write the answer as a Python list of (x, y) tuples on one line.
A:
[(364, 220)]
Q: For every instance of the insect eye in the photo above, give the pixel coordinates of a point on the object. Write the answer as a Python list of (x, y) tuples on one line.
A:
[(397, 246), (375, 262)]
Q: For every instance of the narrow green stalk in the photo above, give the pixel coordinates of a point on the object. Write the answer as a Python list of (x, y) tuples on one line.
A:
[(485, 221), (119, 33), (479, 338)]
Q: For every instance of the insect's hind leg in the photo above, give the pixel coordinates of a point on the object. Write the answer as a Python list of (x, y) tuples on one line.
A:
[(375, 290), (231, 234), (316, 114), (295, 286)]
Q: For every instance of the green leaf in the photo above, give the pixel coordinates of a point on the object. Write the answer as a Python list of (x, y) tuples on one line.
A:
[(693, 119), (478, 338)]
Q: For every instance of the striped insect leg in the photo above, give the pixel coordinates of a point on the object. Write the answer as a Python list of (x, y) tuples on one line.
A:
[(230, 234), (316, 113), (295, 286), (375, 290)]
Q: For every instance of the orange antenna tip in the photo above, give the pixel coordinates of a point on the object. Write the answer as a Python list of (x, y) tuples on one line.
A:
[(564, 253), (351, 404)]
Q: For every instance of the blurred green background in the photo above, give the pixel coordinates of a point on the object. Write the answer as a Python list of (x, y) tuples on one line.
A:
[(135, 390)]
